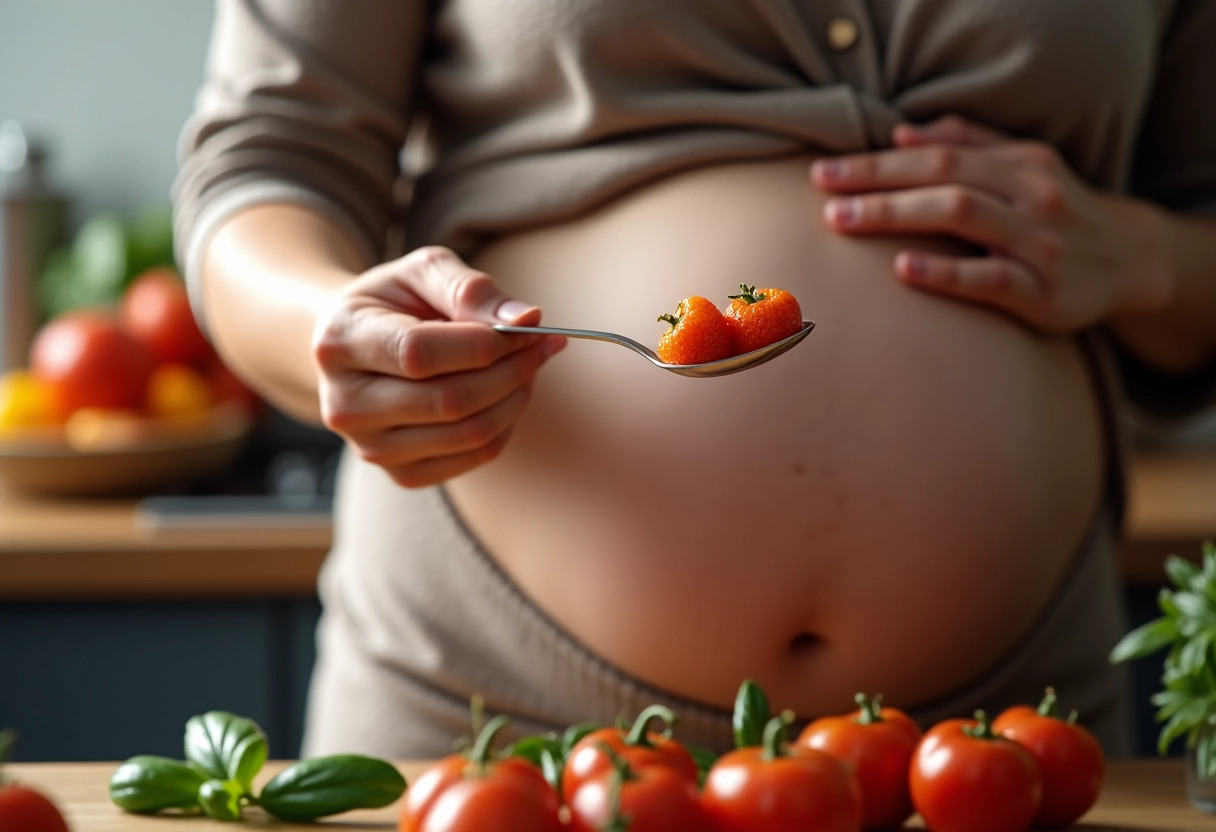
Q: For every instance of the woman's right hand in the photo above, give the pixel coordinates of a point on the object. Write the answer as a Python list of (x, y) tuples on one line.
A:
[(412, 376)]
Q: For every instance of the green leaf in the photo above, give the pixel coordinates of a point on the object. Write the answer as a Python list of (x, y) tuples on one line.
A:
[(704, 758), (221, 799), (226, 746), (1205, 754), (1181, 571), (551, 768), (1193, 605), (148, 784), (149, 241), (572, 735), (1145, 640), (329, 785), (533, 748), (1194, 654), (752, 712)]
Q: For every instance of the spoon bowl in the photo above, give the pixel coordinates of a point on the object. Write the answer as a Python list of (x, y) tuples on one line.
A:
[(710, 369)]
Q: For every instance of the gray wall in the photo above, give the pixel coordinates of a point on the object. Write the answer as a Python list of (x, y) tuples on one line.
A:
[(107, 84)]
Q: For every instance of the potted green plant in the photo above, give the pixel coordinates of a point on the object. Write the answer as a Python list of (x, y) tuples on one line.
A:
[(1187, 701)]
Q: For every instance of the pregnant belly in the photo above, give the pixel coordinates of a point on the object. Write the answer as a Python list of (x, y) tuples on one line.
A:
[(886, 507)]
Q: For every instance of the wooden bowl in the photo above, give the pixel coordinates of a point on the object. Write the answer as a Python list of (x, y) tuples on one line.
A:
[(117, 455)]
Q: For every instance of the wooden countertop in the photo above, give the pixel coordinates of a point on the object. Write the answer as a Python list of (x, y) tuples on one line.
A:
[(65, 549), (1139, 794)]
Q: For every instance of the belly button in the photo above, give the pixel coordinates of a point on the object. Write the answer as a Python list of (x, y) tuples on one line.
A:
[(805, 643)]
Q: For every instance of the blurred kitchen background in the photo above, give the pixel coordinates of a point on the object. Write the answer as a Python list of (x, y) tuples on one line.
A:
[(121, 617)]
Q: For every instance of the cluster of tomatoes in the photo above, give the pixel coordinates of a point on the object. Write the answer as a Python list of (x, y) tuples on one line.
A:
[(699, 332), (143, 358), (871, 769)]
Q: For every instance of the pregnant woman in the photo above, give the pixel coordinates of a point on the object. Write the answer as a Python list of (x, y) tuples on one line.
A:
[(988, 208)]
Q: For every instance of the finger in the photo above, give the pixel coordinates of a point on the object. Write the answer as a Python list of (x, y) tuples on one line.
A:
[(403, 446), (455, 291), (997, 281), (361, 403), (382, 341), (916, 167), (949, 129), (427, 472), (947, 209)]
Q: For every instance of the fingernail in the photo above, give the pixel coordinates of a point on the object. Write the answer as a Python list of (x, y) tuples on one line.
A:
[(916, 265), (512, 310), (829, 170), (843, 212)]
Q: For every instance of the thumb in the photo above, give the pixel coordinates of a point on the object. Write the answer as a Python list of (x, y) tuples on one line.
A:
[(458, 292)]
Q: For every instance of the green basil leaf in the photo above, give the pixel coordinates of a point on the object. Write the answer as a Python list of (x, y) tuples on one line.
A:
[(148, 784), (329, 785), (221, 799), (1145, 640), (226, 746), (752, 713)]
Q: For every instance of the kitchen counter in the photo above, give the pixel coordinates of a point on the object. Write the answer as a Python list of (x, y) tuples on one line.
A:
[(1139, 794), (95, 549)]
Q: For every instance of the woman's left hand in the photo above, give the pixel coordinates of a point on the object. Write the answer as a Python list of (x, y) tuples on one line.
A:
[(1062, 255)]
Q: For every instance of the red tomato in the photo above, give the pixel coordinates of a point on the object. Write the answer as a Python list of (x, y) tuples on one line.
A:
[(965, 778), (88, 360), (640, 748), (25, 810), (478, 794), (1069, 758), (776, 786), (156, 311), (226, 387), (878, 742), (640, 799)]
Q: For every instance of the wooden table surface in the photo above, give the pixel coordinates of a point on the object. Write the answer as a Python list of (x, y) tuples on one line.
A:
[(1139, 795)]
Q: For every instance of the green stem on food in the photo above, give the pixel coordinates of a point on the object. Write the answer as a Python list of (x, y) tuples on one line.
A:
[(747, 293), (622, 773), (982, 730), (7, 738), (870, 709), (775, 744), (670, 319), (1048, 706), (479, 756), (638, 735)]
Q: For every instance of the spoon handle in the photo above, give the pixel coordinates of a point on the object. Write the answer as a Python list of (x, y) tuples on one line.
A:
[(590, 334)]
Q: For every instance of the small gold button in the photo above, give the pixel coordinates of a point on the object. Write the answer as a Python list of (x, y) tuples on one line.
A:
[(842, 33)]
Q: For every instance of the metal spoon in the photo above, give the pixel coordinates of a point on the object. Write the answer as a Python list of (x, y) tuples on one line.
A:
[(710, 369)]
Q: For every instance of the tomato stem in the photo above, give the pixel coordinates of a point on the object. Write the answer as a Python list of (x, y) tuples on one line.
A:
[(870, 709), (670, 319), (775, 743), (639, 735), (982, 730), (622, 772), (1048, 706), (7, 738), (747, 293), (479, 757)]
